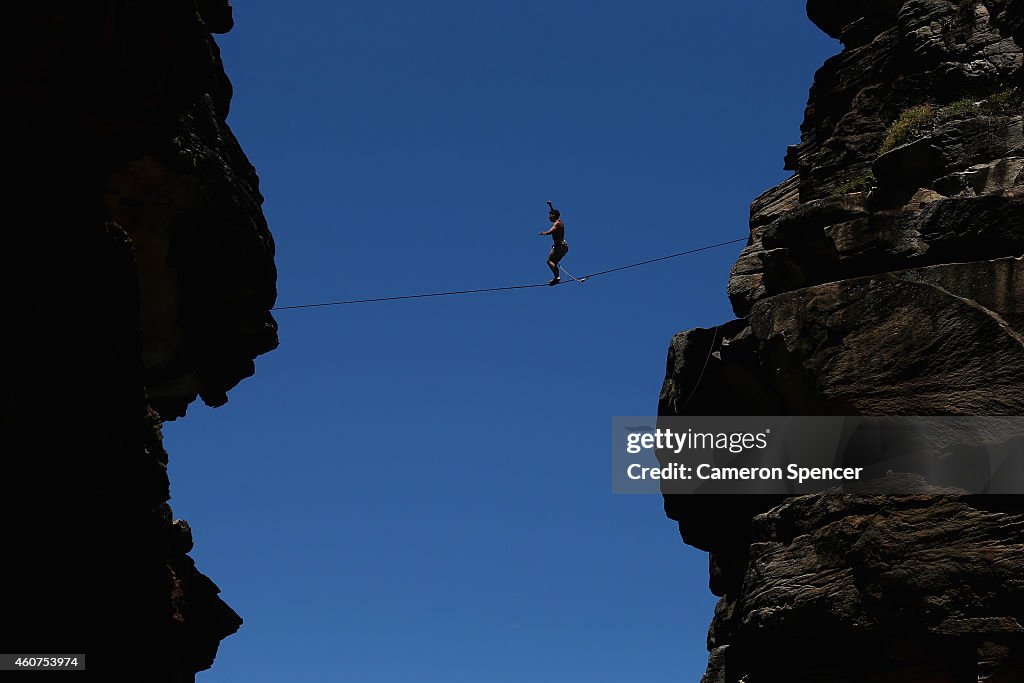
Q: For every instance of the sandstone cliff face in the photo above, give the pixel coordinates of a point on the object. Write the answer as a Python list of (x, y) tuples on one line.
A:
[(884, 277), (139, 275)]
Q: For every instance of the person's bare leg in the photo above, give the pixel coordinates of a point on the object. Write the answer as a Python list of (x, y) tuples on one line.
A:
[(553, 265)]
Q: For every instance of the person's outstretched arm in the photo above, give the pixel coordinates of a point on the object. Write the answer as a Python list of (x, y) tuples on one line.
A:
[(552, 229)]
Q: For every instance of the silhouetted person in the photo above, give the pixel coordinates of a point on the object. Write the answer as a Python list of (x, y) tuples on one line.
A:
[(560, 248)]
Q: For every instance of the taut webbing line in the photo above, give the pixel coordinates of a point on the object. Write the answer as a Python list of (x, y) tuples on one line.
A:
[(504, 289)]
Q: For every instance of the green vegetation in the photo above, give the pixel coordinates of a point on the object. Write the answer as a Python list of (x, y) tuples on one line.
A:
[(910, 122), (918, 120), (961, 109), (1002, 103), (861, 183)]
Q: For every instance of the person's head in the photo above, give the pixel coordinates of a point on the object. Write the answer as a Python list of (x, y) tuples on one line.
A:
[(553, 215)]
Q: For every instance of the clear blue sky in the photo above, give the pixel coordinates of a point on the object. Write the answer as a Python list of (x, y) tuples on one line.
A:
[(420, 491)]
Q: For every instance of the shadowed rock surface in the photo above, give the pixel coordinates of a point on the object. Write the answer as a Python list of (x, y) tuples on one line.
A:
[(876, 282), (139, 275)]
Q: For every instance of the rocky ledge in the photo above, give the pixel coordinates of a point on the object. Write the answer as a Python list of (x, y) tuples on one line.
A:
[(883, 278), (139, 274)]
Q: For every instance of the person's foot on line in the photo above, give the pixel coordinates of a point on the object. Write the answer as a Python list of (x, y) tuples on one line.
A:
[(555, 281)]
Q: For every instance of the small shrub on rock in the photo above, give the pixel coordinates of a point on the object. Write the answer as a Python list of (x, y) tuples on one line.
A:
[(961, 109), (1002, 103), (860, 183), (911, 121)]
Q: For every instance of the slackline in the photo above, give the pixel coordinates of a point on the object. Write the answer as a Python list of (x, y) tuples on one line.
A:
[(508, 287)]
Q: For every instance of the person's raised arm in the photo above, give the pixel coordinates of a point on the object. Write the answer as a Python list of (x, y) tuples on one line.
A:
[(554, 224)]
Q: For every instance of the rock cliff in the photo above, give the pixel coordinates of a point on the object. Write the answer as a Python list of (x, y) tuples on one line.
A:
[(884, 277), (138, 274)]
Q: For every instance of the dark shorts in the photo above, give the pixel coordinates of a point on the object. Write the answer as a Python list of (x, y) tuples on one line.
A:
[(558, 251)]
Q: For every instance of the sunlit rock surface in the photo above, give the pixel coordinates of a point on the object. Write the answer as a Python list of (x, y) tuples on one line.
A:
[(876, 281)]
